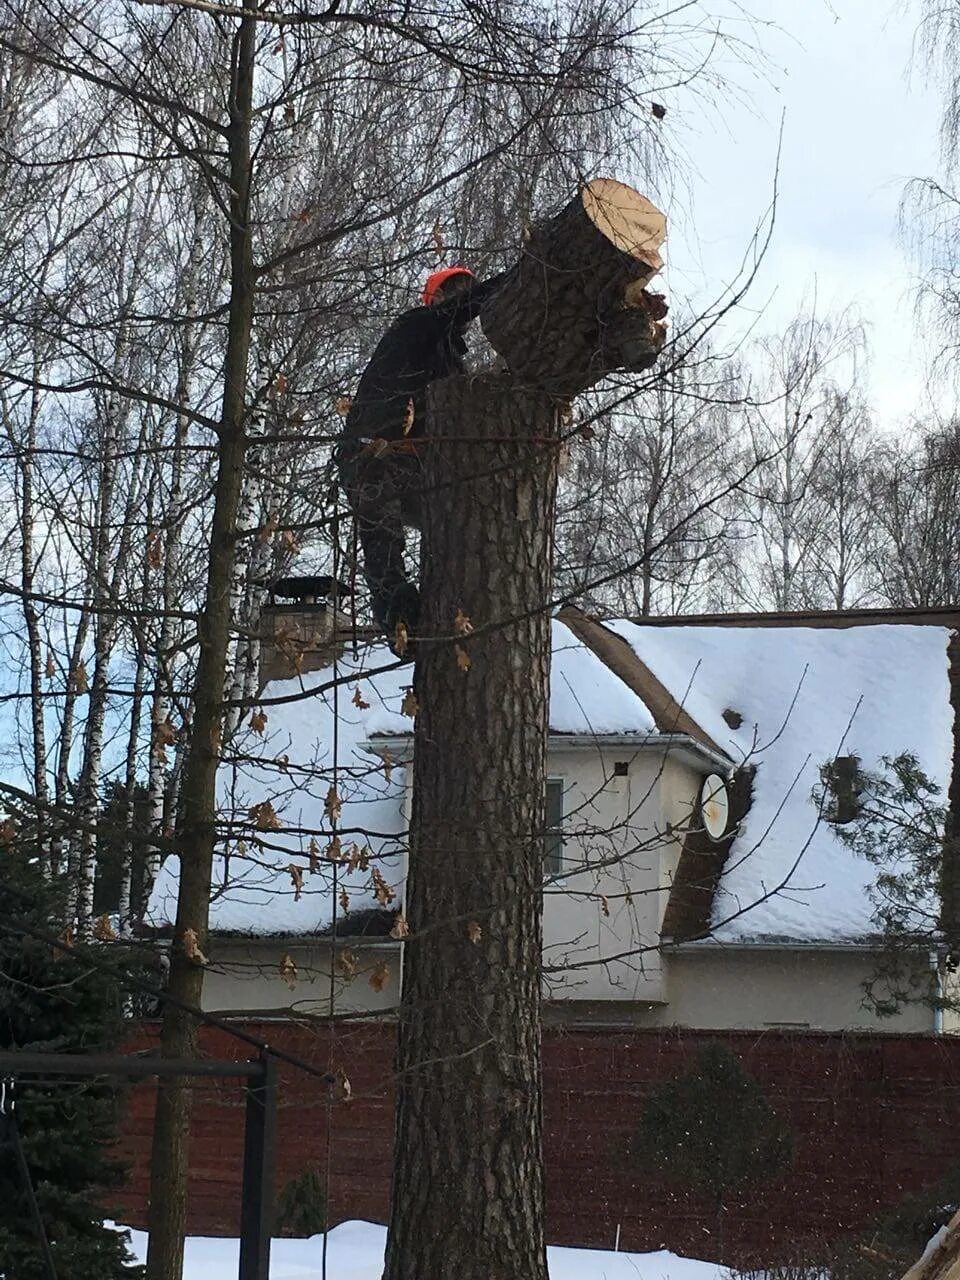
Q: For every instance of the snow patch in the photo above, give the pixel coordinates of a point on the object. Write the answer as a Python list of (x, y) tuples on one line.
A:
[(355, 1252)]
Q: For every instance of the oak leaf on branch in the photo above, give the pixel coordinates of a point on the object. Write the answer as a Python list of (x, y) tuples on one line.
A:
[(103, 930), (400, 927), (379, 975), (263, 816), (332, 805), (381, 890), (358, 700), (288, 970), (191, 947), (296, 877), (409, 706)]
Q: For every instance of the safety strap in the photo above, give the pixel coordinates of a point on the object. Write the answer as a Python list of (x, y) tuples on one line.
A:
[(10, 1136)]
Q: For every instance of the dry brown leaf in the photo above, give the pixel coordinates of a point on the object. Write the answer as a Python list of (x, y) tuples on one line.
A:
[(438, 245), (191, 947), (288, 970), (67, 936), (8, 832), (344, 900), (51, 665), (103, 930), (400, 927), (408, 416), (380, 974), (345, 963), (342, 1090), (279, 384), (358, 701), (381, 890), (164, 733), (604, 905), (332, 805), (78, 677), (296, 877), (409, 706), (387, 759), (333, 852), (263, 816), (305, 214), (462, 626), (267, 530), (313, 849), (463, 658), (258, 721), (401, 639), (216, 733), (365, 856), (154, 550), (343, 405), (474, 932), (289, 542)]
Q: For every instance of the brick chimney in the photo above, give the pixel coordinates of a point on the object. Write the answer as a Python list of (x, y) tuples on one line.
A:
[(302, 635)]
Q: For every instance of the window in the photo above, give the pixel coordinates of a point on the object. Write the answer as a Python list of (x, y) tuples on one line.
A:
[(553, 834)]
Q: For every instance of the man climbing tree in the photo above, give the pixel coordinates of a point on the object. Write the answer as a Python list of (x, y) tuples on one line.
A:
[(380, 467), (468, 1177)]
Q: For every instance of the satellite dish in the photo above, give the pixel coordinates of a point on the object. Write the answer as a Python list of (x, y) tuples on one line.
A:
[(714, 806)]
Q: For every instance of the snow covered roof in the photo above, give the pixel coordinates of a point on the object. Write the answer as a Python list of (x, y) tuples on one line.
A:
[(805, 694)]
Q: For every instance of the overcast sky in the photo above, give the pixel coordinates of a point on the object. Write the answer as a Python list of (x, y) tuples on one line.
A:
[(858, 123)]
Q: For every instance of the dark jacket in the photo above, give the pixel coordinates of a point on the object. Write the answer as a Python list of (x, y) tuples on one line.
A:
[(420, 346)]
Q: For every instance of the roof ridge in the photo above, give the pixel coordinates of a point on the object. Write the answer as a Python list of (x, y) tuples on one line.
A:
[(618, 656)]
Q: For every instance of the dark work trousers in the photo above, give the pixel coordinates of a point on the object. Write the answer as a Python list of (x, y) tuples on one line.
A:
[(384, 491)]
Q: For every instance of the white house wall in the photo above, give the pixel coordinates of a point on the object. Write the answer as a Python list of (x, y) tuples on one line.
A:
[(246, 975), (601, 920)]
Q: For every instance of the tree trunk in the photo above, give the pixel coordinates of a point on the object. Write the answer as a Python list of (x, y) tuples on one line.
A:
[(196, 829), (574, 308), (469, 1047), (467, 1196)]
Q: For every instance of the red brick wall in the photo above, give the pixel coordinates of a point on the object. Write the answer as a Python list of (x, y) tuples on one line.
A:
[(873, 1117)]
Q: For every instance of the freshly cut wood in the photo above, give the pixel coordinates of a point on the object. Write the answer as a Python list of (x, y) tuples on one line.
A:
[(576, 308), (628, 219)]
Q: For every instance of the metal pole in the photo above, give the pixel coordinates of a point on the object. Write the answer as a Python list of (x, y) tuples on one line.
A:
[(259, 1154), (129, 1066)]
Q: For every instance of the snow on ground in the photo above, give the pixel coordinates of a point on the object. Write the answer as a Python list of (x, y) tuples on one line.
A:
[(867, 691), (355, 1252), (291, 767)]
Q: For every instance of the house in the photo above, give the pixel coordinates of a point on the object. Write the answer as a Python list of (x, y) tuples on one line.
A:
[(691, 877)]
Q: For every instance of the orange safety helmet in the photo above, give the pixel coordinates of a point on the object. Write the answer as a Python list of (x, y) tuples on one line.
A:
[(437, 279)]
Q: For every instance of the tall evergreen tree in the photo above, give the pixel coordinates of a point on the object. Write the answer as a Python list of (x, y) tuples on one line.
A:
[(53, 1002)]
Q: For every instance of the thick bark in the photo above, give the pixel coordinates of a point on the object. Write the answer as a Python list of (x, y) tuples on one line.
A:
[(196, 829), (468, 1175), (468, 1182), (574, 307)]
